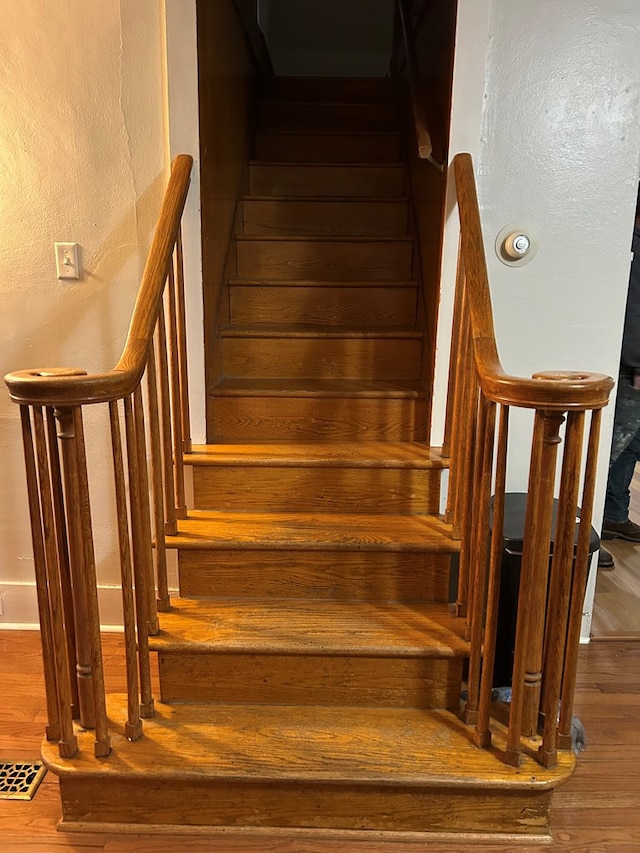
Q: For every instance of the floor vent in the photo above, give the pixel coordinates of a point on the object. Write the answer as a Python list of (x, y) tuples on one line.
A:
[(19, 781)]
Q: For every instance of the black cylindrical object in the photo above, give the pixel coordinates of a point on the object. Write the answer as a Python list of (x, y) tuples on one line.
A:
[(513, 535)]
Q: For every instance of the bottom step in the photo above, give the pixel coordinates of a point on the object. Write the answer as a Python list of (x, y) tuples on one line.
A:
[(390, 770)]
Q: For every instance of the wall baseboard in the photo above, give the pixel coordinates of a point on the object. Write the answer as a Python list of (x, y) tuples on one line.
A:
[(19, 606)]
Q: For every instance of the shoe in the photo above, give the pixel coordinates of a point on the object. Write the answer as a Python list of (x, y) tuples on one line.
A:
[(621, 530), (605, 560)]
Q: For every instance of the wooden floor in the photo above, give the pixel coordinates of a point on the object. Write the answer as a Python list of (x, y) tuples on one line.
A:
[(596, 812), (616, 612)]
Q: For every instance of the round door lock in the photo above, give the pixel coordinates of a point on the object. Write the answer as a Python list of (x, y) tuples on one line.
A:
[(516, 245)]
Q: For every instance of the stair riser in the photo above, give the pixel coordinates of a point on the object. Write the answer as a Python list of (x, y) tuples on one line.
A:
[(288, 180), (256, 418), (281, 115), (370, 682), (333, 90), (204, 802), (322, 358), (314, 574), (327, 148), (300, 489), (323, 305), (368, 218), (324, 260)]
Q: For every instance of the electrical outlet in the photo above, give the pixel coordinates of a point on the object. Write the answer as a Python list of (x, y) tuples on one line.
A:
[(67, 260)]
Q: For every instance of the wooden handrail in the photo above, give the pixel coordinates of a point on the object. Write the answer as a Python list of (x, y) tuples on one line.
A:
[(551, 590), (423, 137), (72, 387), (146, 507), (553, 390)]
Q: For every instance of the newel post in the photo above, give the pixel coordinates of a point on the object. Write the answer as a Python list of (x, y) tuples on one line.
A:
[(89, 670), (528, 657)]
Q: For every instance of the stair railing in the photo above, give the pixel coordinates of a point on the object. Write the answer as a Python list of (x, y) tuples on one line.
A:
[(152, 424), (418, 106), (549, 612)]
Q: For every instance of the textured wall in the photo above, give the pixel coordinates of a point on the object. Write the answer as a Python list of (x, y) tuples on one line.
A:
[(82, 158), (556, 147)]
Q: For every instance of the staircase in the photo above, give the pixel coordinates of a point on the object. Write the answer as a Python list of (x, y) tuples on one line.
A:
[(311, 667)]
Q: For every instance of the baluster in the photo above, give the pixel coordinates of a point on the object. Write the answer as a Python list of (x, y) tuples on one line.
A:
[(133, 726), (560, 586), (467, 557), (84, 670), (176, 416), (145, 512), (171, 524), (102, 745), (579, 584), (463, 368), (181, 324), (140, 562), (163, 602), (457, 339), (46, 631), (527, 668), (68, 743), (482, 734), (465, 456), (479, 548), (63, 558)]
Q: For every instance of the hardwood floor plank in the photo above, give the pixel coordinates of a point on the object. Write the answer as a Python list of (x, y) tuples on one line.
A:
[(616, 610)]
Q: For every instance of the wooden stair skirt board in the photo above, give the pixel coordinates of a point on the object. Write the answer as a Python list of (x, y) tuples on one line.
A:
[(393, 770)]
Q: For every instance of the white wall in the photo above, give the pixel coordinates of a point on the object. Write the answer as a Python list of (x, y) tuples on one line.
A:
[(82, 157), (557, 147)]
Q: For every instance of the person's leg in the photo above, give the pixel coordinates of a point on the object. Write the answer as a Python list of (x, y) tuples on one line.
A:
[(616, 507)]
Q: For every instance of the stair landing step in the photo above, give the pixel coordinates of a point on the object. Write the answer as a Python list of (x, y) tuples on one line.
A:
[(206, 530), (311, 627), (305, 744), (363, 454)]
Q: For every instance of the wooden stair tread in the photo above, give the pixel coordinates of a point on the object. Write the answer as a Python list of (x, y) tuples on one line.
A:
[(271, 282), (290, 330), (296, 627), (322, 238), (287, 131), (391, 388), (206, 529), (363, 454), (324, 199), (315, 164), (306, 744)]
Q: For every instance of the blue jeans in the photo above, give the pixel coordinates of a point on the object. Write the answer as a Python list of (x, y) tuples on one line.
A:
[(625, 451)]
